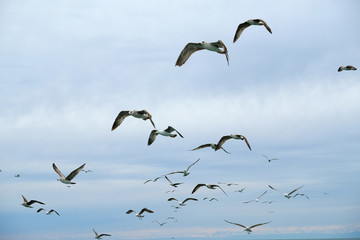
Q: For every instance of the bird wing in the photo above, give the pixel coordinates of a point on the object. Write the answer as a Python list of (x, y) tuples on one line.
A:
[(96, 234), (301, 194), (168, 179), (249, 201), (152, 137), (220, 44), (75, 172), (192, 164), (259, 224), (222, 141), (130, 211), (247, 143), (175, 172), (119, 119), (295, 190), (104, 234), (35, 201), (225, 150), (193, 199), (171, 129), (149, 116), (148, 181), (265, 25), (197, 187), (214, 185), (52, 210), (24, 198), (173, 199), (58, 171), (202, 146), (262, 194), (237, 224), (189, 49), (275, 189), (146, 210), (240, 29), (40, 209)]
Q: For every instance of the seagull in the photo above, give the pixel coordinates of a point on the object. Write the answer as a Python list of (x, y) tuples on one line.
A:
[(28, 204), (160, 224), (288, 195), (301, 194), (167, 132), (228, 184), (269, 202), (231, 136), (143, 114), (171, 183), (183, 202), (241, 190), (210, 186), (212, 145), (244, 25), (173, 218), (257, 199), (67, 180), (86, 171), (211, 199), (347, 68), (190, 48), (17, 175), (186, 171), (269, 159), (247, 229), (97, 236), (47, 212), (171, 191), (152, 180), (139, 215)]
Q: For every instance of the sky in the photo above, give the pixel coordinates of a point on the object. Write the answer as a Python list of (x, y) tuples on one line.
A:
[(69, 67)]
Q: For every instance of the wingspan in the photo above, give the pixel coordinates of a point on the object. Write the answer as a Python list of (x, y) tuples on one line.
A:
[(119, 119), (75, 172)]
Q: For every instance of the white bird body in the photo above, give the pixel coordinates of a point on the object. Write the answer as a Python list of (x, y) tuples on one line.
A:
[(167, 133)]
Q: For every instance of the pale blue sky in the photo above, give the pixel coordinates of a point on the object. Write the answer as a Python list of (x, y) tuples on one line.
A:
[(69, 67)]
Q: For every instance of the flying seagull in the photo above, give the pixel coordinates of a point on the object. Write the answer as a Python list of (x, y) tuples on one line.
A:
[(183, 202), (143, 114), (86, 171), (167, 132), (244, 25), (210, 186), (241, 190), (301, 194), (190, 48), (269, 159), (257, 199), (67, 180), (139, 215), (287, 195), (228, 184), (210, 199), (231, 136), (171, 183), (28, 204), (17, 175), (160, 224), (152, 180), (185, 172), (347, 68), (247, 229), (211, 145), (97, 236), (47, 212)]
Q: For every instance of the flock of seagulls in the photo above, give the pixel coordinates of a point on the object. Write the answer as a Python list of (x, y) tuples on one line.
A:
[(189, 49)]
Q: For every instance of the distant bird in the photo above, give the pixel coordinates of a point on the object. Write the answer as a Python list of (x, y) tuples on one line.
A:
[(67, 180), (190, 48), (231, 136), (97, 236), (287, 195), (269, 202), (269, 159), (86, 171), (28, 204), (153, 180), (173, 218), (210, 199), (241, 190), (171, 191), (143, 114), (228, 184), (244, 25), (301, 194), (139, 215), (247, 229), (209, 186), (183, 202), (211, 145), (17, 175), (47, 212), (160, 224), (185, 172), (347, 68), (167, 132), (257, 199), (171, 183)]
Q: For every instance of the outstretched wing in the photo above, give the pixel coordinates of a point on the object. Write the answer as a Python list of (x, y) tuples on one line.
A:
[(259, 224), (220, 44), (149, 116), (265, 25), (222, 141), (295, 190), (119, 119), (173, 199), (189, 49), (152, 137), (197, 187), (247, 143), (75, 172), (145, 210), (225, 150), (240, 29), (58, 171), (52, 210), (35, 201), (202, 146), (171, 129), (237, 224), (40, 209), (192, 164), (24, 198), (275, 189), (130, 211), (262, 194), (220, 188), (193, 199), (104, 234)]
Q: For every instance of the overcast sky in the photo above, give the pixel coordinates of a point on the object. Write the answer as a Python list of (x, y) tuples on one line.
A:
[(67, 68)]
